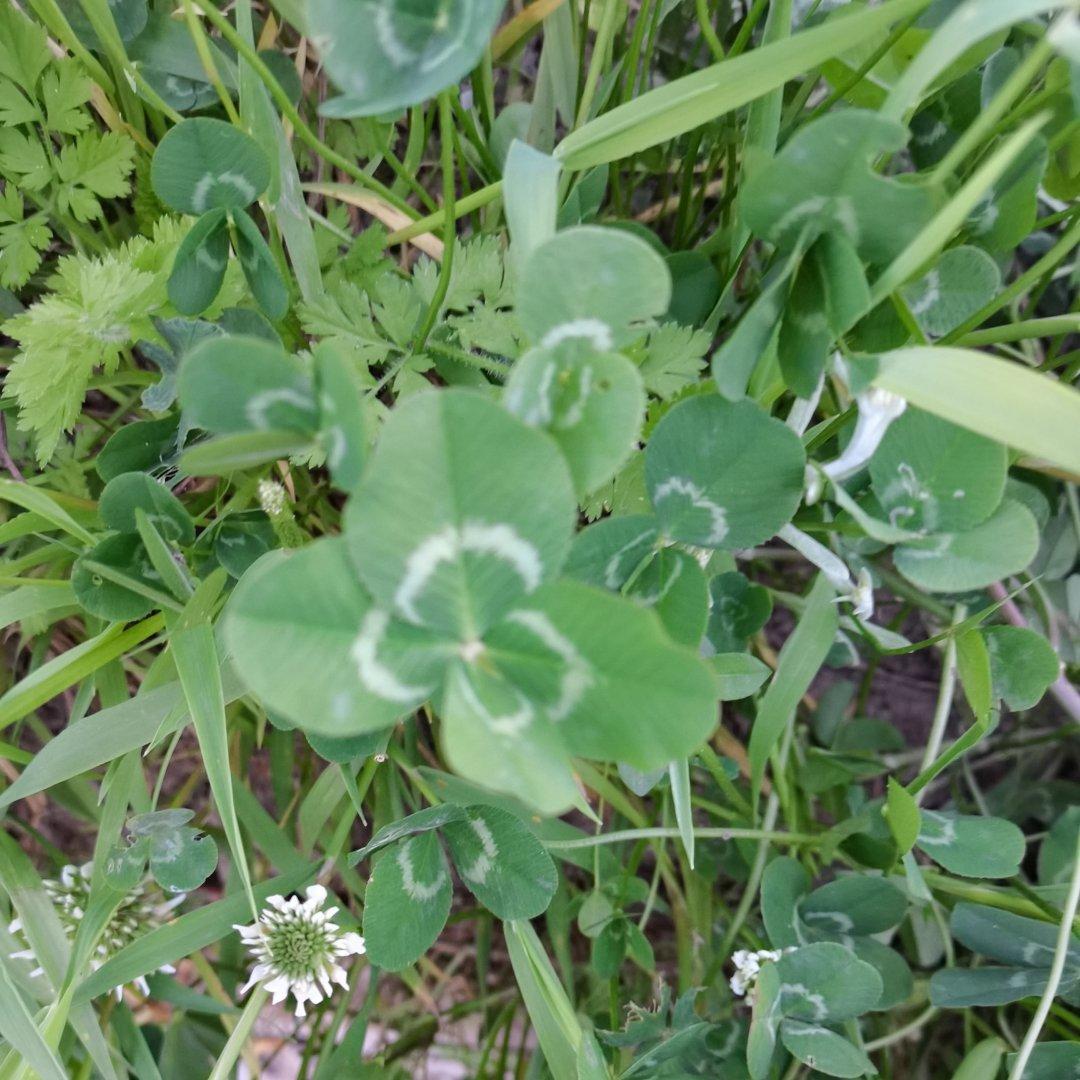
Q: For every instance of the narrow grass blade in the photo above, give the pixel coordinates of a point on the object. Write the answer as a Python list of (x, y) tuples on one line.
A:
[(686, 103), (1000, 399), (72, 667), (199, 668), (679, 774), (800, 658), (39, 501), (19, 1030), (968, 24), (557, 1027)]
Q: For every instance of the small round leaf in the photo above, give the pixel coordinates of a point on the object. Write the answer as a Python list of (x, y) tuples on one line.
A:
[(202, 164), (723, 474)]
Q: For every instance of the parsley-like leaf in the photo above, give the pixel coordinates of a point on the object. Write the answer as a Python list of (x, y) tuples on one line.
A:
[(94, 166), (673, 359)]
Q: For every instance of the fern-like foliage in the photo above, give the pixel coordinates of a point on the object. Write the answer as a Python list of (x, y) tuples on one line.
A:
[(95, 310), (55, 163)]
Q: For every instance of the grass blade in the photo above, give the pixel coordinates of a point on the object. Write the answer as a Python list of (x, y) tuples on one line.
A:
[(686, 103), (997, 398), (800, 658), (199, 668)]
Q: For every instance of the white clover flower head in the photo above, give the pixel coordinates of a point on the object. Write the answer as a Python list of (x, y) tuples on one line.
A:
[(748, 967), (137, 914), (297, 948), (271, 498)]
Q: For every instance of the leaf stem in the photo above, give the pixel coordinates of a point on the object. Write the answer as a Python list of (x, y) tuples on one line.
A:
[(661, 833), (446, 129), (1057, 967)]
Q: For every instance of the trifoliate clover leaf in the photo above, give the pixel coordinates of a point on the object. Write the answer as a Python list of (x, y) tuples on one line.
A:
[(822, 179)]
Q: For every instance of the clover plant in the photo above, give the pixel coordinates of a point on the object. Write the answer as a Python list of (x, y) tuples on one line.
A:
[(540, 540)]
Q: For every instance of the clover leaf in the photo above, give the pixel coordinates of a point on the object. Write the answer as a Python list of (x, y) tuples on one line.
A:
[(386, 55)]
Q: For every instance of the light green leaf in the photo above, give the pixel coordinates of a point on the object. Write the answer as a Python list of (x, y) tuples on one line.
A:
[(602, 668), (530, 198), (200, 263), (723, 474), (1023, 665), (739, 609), (260, 269), (501, 862), (679, 775), (385, 55), (983, 1060), (854, 904), (738, 674), (599, 285), (955, 562), (826, 982), (902, 814), (129, 492), (802, 655), (592, 404), (342, 429), (673, 585), (439, 537), (306, 612), (493, 735), (971, 846), (231, 384), (407, 902), (202, 164), (608, 553), (1002, 400), (961, 281), (824, 1050), (934, 476)]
